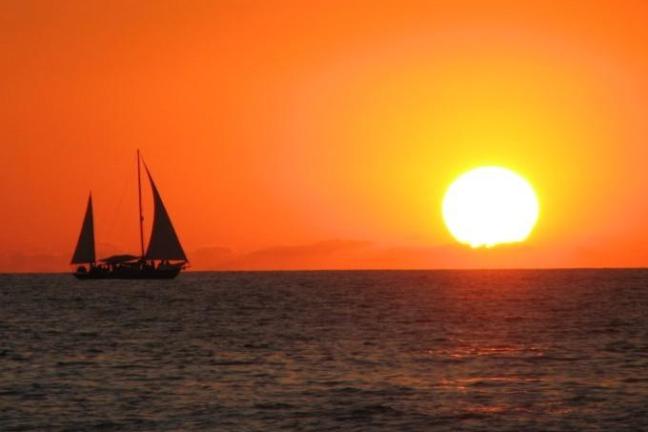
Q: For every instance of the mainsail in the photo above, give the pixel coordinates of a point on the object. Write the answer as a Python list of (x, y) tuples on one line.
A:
[(85, 248), (164, 243)]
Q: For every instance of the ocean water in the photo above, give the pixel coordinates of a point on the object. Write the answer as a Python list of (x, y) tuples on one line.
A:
[(325, 351)]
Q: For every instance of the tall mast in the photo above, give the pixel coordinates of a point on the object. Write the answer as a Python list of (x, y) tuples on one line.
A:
[(139, 195)]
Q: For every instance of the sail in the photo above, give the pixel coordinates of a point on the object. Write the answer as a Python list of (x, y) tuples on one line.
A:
[(85, 248), (164, 243)]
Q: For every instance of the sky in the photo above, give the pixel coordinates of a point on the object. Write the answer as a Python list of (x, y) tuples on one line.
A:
[(322, 134)]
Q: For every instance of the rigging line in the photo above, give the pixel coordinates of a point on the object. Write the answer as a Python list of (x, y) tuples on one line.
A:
[(139, 197)]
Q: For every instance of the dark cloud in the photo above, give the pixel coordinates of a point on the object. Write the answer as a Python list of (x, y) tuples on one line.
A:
[(211, 258), (33, 263), (356, 254), (319, 255)]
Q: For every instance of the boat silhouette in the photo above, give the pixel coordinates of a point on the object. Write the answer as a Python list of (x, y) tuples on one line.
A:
[(163, 257)]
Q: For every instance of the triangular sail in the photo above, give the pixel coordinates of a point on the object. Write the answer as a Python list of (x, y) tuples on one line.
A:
[(164, 243), (85, 248)]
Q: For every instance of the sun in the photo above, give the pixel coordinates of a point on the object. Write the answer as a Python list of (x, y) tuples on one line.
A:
[(490, 205)]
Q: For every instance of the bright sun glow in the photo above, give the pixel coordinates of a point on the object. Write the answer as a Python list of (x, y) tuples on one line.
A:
[(489, 206)]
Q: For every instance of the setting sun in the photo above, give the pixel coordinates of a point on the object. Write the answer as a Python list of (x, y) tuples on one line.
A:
[(489, 206)]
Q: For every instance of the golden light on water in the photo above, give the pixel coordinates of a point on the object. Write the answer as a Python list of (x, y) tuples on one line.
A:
[(489, 206)]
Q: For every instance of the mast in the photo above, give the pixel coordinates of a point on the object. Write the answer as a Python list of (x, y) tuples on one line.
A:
[(139, 196)]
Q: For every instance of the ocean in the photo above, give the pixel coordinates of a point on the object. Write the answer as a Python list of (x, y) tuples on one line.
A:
[(510, 350)]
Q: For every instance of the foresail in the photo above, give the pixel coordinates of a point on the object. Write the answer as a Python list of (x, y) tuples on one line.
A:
[(164, 243), (85, 248)]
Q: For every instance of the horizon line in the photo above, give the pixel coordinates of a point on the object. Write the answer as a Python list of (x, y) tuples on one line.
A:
[(304, 270)]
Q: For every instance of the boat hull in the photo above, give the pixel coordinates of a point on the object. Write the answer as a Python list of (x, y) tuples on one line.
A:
[(128, 273)]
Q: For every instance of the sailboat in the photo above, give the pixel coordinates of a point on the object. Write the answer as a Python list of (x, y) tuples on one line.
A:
[(163, 258)]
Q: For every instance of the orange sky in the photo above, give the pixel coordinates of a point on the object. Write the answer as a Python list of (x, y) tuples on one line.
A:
[(322, 134)]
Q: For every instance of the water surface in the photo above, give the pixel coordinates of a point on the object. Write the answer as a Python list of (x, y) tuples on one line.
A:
[(318, 351)]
